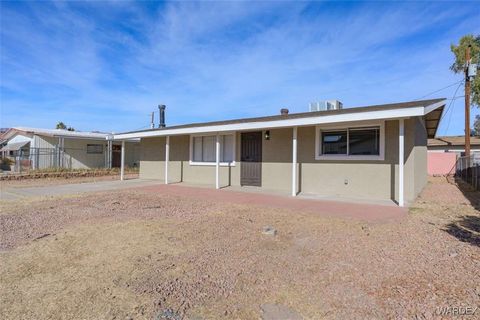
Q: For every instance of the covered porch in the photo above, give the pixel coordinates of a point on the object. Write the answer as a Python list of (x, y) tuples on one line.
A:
[(276, 161)]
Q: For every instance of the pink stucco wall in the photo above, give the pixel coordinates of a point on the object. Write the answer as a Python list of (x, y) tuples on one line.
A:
[(441, 163)]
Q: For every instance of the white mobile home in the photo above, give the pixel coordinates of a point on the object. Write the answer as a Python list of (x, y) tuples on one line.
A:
[(38, 148)]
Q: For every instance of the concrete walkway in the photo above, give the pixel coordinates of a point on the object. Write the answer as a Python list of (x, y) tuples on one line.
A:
[(7, 193)]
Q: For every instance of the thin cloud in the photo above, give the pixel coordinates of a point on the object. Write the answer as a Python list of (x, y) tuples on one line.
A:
[(105, 66)]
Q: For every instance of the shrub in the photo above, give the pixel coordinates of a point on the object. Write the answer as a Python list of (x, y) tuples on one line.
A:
[(6, 161)]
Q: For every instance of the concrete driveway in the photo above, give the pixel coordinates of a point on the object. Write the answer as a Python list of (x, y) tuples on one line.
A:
[(7, 193)]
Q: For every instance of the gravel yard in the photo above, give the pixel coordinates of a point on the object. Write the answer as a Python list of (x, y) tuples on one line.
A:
[(137, 254), (25, 183)]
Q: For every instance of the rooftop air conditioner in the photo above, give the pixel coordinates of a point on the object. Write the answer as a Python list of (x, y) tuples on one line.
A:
[(326, 105)]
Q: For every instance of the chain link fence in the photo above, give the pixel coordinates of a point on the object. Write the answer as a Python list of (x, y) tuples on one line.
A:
[(42, 158), (57, 158), (467, 168)]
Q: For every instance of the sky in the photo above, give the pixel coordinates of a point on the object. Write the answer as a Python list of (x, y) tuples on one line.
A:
[(105, 66)]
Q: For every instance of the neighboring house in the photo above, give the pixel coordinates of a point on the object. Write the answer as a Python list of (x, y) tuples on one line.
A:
[(37, 148), (443, 153), (374, 152), (453, 144), (2, 140)]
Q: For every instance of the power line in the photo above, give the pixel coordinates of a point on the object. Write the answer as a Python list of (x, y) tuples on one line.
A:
[(448, 108), (449, 118), (450, 85), (454, 97)]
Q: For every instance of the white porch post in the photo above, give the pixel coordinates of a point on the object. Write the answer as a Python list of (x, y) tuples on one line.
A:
[(62, 152), (167, 157), (217, 162), (59, 151), (294, 162), (122, 161), (110, 154), (401, 160)]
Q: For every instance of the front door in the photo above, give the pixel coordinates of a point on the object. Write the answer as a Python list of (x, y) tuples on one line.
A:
[(116, 156), (251, 159)]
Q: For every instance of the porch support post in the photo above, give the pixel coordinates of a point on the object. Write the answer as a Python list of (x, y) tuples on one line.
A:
[(59, 151), (401, 160), (294, 162), (108, 163), (62, 152), (122, 161), (167, 157), (217, 162)]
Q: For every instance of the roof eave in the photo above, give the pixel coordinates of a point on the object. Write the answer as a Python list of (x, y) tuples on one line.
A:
[(393, 113), (338, 118)]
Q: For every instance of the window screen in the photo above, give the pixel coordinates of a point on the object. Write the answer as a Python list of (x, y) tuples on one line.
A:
[(227, 149), (334, 142), (204, 148), (197, 148), (364, 141), (95, 148), (209, 149)]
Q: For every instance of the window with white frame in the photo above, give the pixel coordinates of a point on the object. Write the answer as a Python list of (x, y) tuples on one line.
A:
[(203, 149), (350, 143)]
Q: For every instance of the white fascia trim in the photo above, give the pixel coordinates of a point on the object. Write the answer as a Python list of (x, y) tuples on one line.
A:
[(349, 158), (70, 136), (212, 164), (434, 106), (77, 137), (448, 150), (349, 117), (380, 157)]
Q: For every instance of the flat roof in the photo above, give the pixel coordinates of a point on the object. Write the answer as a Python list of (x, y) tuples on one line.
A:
[(61, 133), (452, 141), (384, 111), (14, 146)]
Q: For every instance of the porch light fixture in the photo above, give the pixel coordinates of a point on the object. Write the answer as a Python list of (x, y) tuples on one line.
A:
[(267, 135)]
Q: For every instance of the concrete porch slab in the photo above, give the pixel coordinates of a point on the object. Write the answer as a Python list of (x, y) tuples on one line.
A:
[(257, 197)]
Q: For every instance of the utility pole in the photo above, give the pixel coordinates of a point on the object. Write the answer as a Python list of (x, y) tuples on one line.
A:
[(467, 106), (152, 124)]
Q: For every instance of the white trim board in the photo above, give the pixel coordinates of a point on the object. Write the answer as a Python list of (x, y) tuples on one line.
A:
[(449, 150), (285, 123)]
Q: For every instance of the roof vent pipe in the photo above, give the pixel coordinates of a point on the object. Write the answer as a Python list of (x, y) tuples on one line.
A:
[(284, 111), (161, 115)]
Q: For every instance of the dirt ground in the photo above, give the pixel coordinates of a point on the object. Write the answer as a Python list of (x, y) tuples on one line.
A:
[(135, 254), (24, 183)]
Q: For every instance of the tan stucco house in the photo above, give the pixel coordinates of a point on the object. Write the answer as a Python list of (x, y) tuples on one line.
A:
[(39, 148), (375, 152)]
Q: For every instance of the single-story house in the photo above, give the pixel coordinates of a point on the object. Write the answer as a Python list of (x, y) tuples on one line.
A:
[(372, 152), (453, 144), (443, 153), (38, 148)]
